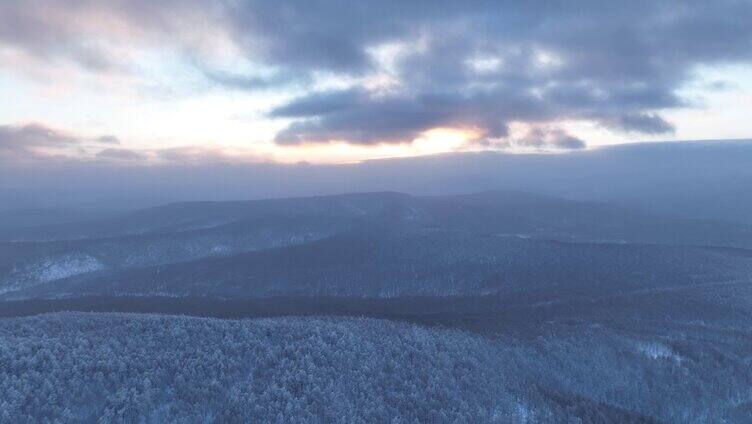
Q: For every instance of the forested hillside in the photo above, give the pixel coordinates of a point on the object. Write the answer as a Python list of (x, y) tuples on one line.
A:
[(153, 369), (381, 263), (131, 248)]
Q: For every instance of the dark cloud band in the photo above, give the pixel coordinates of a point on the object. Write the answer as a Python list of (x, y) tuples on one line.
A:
[(479, 64)]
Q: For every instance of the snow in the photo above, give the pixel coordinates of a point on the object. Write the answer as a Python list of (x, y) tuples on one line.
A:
[(658, 351), (52, 269)]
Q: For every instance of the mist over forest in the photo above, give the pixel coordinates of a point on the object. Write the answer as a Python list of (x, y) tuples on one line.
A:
[(490, 306), (703, 179)]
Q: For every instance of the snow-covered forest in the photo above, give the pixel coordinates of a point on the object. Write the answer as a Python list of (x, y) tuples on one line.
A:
[(79, 367)]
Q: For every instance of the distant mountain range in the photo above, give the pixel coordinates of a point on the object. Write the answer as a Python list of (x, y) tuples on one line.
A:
[(692, 179), (376, 245)]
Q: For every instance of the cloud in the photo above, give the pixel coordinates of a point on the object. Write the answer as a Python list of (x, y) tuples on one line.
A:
[(355, 117), (120, 155), (108, 139), (204, 155), (191, 155), (57, 31), (536, 139), (481, 64), (543, 138), (18, 142), (32, 135), (241, 82), (30, 145), (103, 37), (618, 66), (720, 85), (35, 142), (643, 123)]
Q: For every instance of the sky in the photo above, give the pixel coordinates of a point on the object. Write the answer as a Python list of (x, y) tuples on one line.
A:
[(126, 83)]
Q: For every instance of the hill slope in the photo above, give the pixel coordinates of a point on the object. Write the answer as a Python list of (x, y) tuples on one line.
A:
[(190, 231), (139, 368), (382, 263)]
